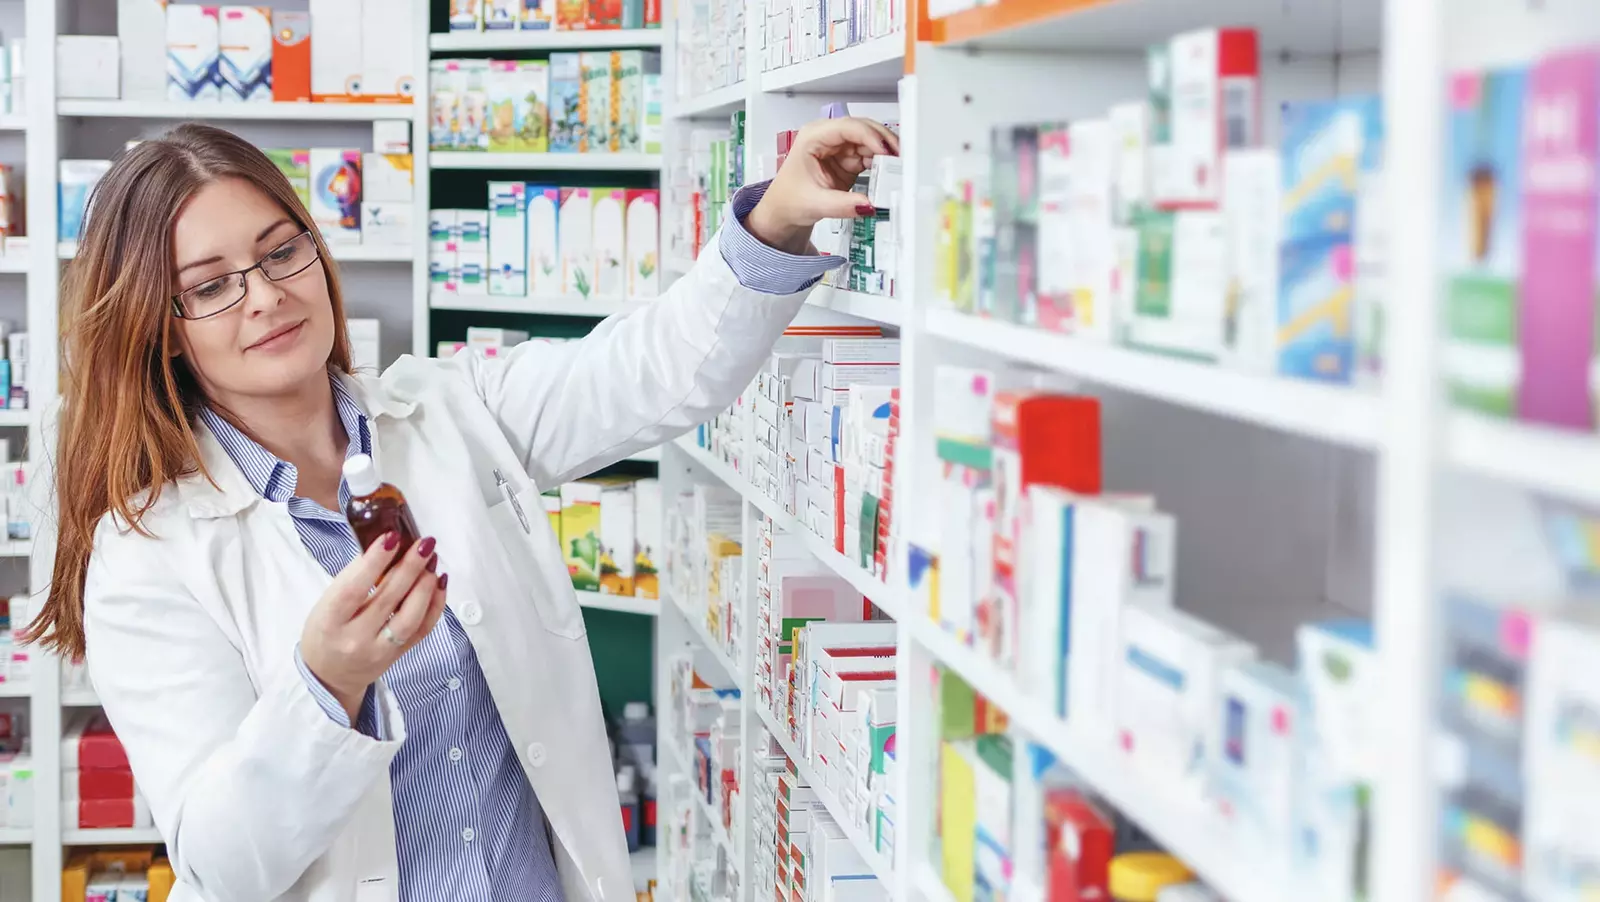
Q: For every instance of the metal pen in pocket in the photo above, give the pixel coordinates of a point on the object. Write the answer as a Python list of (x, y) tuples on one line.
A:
[(511, 496)]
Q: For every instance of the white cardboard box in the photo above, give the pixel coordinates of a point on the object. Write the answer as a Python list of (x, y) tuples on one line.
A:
[(142, 32), (87, 67)]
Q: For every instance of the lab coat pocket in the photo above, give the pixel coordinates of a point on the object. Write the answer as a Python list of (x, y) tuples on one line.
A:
[(375, 889), (521, 525)]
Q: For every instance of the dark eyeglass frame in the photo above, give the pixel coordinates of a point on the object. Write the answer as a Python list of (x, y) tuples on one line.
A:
[(242, 276)]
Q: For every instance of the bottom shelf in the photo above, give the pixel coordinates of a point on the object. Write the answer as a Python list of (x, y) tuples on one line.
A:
[(130, 836), (16, 836), (931, 886)]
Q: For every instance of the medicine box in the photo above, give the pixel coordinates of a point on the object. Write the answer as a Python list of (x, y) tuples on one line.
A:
[(544, 256), (472, 231), (618, 506), (1088, 213), (1316, 292), (643, 243), (142, 34), (610, 207), (1326, 146), (245, 61), (87, 67), (473, 268), (1254, 767), (1180, 303), (291, 56), (336, 57), (596, 100), (501, 15), (519, 96), (336, 194), (387, 56), (572, 15), (386, 177), (1212, 103), (444, 104), (650, 127), (391, 136), (580, 532), (192, 50), (631, 68), (466, 15), (567, 131), (442, 232), (1339, 665), (1252, 188), (1167, 677), (576, 223), (538, 15), (77, 181), (364, 349), (604, 14), (508, 239), (648, 553), (386, 224)]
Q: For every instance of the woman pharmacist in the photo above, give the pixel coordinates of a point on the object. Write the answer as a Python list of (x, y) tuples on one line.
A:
[(298, 733)]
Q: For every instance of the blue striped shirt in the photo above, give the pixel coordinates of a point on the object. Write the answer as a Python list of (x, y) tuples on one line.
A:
[(467, 824), (468, 827)]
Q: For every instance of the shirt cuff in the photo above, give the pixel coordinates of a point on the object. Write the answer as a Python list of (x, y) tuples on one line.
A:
[(367, 722), (762, 268)]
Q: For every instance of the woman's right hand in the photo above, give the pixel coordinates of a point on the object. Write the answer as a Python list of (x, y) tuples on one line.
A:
[(355, 632)]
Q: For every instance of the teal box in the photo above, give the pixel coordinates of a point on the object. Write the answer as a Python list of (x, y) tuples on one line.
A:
[(1316, 294), (566, 112), (1327, 146)]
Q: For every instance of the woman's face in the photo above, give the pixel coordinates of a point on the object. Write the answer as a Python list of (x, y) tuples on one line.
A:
[(280, 336)]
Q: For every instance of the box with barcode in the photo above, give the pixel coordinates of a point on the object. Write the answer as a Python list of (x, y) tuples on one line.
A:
[(1205, 93)]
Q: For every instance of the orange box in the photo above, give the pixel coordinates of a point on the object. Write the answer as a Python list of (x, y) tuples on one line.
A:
[(291, 56)]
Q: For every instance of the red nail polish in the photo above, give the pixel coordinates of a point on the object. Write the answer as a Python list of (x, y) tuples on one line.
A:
[(433, 563), (865, 209), (444, 580), (425, 547), (390, 539)]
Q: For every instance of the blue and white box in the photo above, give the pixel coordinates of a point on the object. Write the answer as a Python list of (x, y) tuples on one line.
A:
[(245, 54), (193, 47)]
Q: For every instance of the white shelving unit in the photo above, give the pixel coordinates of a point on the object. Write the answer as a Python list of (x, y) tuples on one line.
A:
[(215, 112), (467, 41), (547, 162)]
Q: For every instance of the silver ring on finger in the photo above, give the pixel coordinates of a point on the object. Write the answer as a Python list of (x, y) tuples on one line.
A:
[(391, 638)]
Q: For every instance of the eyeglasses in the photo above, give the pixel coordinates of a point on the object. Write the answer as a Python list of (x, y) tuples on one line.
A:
[(220, 294)]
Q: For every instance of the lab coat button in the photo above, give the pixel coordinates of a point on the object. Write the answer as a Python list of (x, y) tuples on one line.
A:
[(455, 754), (452, 684), (536, 754), (472, 613), (468, 835)]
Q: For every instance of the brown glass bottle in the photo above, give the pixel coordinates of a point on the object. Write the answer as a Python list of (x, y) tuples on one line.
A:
[(376, 507)]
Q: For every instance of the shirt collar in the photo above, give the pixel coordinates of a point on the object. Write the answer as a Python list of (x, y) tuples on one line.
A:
[(273, 478)]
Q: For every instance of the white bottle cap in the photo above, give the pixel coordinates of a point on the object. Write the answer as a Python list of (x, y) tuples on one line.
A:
[(635, 710), (361, 476)]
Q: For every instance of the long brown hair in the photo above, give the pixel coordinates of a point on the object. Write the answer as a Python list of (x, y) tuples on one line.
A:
[(128, 403)]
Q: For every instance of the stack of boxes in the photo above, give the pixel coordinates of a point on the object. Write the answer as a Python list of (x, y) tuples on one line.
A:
[(16, 665), (700, 186), (97, 790), (597, 244), (16, 770), (711, 44), (795, 31), (560, 15), (122, 875), (609, 528), (811, 856), (337, 51), (594, 101), (705, 558), (1188, 237)]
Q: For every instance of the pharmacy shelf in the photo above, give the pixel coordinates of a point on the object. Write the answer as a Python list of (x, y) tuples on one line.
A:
[(15, 418), (14, 263), (873, 66), (875, 307), (627, 604), (697, 623), (1176, 817), (342, 253), (1552, 461), (547, 306), (1102, 25), (15, 836), (546, 39), (719, 833), (79, 698), (16, 549), (648, 456), (878, 592), (1339, 415), (13, 123), (209, 112), (932, 887), (16, 690), (713, 103), (134, 836), (882, 868), (545, 162)]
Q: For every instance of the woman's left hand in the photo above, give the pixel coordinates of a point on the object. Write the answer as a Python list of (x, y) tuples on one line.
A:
[(814, 181)]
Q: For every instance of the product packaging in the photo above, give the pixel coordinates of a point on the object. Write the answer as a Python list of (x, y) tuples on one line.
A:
[(576, 223), (192, 50), (1180, 298), (336, 57), (643, 244), (508, 239), (581, 540), (336, 194), (595, 101), (444, 105), (386, 178), (388, 36), (86, 67), (648, 551), (472, 273), (364, 343), (501, 15), (572, 15), (650, 128), (544, 256), (391, 136), (1561, 769), (567, 130), (471, 78), (610, 207), (627, 114), (291, 56), (245, 62), (1206, 89), (1251, 208), (386, 224), (466, 15), (618, 505), (604, 14), (1254, 767), (295, 164), (519, 104), (76, 183), (1089, 216), (142, 33), (537, 15)]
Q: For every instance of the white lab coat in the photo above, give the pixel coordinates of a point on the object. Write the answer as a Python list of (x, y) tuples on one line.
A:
[(191, 634)]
